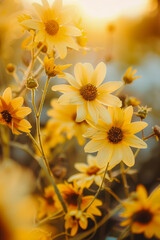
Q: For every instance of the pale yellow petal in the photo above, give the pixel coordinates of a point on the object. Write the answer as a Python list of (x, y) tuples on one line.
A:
[(104, 114), (128, 157), (134, 141), (80, 74), (128, 112), (81, 113), (116, 157), (109, 100), (83, 222), (98, 74), (63, 88), (109, 87), (71, 80), (61, 49), (104, 155), (30, 23), (136, 127), (71, 98), (72, 31), (94, 146), (94, 113)]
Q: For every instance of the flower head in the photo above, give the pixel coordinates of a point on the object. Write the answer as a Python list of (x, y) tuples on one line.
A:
[(72, 194), (55, 29), (132, 101), (12, 114), (53, 70), (143, 213), (49, 203), (129, 77), (87, 93), (65, 116), (113, 141), (88, 173), (74, 219)]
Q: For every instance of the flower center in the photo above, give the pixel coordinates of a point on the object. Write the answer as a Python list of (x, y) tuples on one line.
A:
[(143, 216), (88, 92), (115, 135), (50, 200), (6, 116), (72, 198), (51, 27), (92, 170)]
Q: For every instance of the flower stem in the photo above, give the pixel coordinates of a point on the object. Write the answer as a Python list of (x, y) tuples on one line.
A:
[(124, 179), (40, 145), (113, 194), (99, 189)]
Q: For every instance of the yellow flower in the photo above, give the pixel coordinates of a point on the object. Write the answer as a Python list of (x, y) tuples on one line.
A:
[(87, 93), (49, 204), (51, 69), (143, 213), (88, 173), (51, 136), (55, 28), (113, 141), (74, 219), (132, 101), (12, 114), (129, 77), (65, 116), (72, 194)]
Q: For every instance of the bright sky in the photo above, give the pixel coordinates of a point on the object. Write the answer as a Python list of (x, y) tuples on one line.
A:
[(108, 8)]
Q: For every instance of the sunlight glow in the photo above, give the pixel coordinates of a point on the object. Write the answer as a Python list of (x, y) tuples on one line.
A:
[(108, 9)]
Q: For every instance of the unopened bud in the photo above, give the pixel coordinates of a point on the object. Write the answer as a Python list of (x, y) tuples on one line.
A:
[(10, 68), (156, 130), (31, 83), (143, 112)]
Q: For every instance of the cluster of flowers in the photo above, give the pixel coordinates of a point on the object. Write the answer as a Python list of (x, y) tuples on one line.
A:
[(87, 108)]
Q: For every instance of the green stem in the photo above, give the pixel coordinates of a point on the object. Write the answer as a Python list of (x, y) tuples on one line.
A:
[(124, 179), (99, 189)]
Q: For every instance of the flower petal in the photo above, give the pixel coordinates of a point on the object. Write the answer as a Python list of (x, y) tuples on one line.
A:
[(116, 156), (71, 98), (98, 74), (134, 141), (136, 127), (81, 113), (7, 95), (109, 87), (63, 88), (71, 80), (17, 102), (94, 113), (104, 155), (94, 146), (128, 157), (109, 100)]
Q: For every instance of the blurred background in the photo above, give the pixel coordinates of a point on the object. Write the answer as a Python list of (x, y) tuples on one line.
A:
[(121, 33)]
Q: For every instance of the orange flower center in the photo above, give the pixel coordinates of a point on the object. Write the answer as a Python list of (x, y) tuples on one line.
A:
[(143, 216), (6, 116), (115, 135), (51, 27), (88, 92), (92, 170)]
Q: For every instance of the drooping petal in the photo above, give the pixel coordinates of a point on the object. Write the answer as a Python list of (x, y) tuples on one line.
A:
[(94, 113), (104, 155), (116, 156), (81, 113), (128, 157)]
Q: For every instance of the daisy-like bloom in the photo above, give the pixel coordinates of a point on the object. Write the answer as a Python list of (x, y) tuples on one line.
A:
[(55, 29), (49, 203), (74, 219), (65, 116), (143, 213), (51, 137), (113, 141), (53, 70), (129, 77), (72, 194), (87, 93), (89, 173), (12, 113)]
